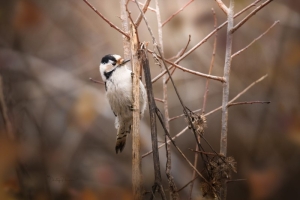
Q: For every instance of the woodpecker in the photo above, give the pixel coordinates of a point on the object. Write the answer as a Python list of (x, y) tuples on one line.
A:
[(118, 85)]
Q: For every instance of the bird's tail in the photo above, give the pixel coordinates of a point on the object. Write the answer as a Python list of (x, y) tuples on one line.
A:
[(123, 129)]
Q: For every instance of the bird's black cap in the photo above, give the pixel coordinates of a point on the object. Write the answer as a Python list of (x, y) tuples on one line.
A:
[(107, 58)]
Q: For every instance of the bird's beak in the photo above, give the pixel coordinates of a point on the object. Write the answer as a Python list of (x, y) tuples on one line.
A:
[(125, 61)]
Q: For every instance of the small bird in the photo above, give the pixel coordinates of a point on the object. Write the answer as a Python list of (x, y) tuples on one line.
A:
[(118, 86)]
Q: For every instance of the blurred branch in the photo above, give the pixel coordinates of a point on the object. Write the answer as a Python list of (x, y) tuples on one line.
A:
[(105, 19), (250, 15), (248, 102), (211, 63), (174, 14), (222, 6), (140, 17), (240, 51), (172, 186), (4, 112)]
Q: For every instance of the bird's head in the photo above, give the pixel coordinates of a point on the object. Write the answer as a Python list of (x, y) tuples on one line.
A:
[(109, 63)]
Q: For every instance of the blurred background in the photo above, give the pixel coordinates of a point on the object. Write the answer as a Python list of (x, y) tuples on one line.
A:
[(63, 139)]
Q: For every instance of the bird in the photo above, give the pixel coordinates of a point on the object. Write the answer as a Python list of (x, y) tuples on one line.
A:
[(118, 85)]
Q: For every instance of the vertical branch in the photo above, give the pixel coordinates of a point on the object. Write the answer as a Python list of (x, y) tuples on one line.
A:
[(173, 189), (227, 65), (136, 157), (125, 27), (152, 109)]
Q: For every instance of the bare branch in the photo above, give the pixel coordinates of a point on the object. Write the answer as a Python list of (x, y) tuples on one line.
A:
[(217, 78), (149, 8), (227, 66), (211, 63), (240, 51), (248, 102), (140, 17), (105, 19), (250, 15), (222, 6), (173, 138), (174, 14)]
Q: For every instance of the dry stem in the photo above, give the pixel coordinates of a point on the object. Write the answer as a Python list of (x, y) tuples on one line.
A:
[(249, 16), (248, 102), (240, 51), (136, 158), (140, 17), (217, 78)]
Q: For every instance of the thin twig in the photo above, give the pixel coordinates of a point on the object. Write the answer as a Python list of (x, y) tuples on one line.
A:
[(222, 6), (140, 17), (217, 78), (203, 152), (174, 14), (248, 102), (187, 183), (105, 19), (180, 53), (159, 100), (211, 63), (162, 145), (95, 81), (149, 8), (250, 15), (240, 51)]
